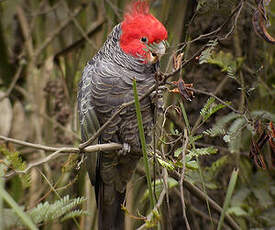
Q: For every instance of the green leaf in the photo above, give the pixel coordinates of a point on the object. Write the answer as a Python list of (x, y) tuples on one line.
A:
[(159, 187), (231, 187), (202, 151), (166, 164), (192, 164), (178, 152), (14, 158), (25, 218), (210, 108), (73, 214), (220, 126), (143, 145), (193, 139), (237, 211), (206, 54)]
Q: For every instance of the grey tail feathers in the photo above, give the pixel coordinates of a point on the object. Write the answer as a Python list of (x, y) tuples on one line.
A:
[(110, 216)]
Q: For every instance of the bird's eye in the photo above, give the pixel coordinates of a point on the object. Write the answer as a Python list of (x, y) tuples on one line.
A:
[(144, 39)]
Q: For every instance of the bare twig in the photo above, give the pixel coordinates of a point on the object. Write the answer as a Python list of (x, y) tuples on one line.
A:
[(157, 206), (220, 100), (236, 11), (89, 149), (14, 80), (202, 196), (185, 143)]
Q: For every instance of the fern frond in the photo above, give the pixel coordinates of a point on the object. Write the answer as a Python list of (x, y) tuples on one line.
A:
[(74, 213), (214, 169), (206, 54), (202, 151), (210, 108), (233, 135), (220, 127), (45, 212)]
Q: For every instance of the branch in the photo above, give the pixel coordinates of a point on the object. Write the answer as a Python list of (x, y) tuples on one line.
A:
[(220, 100), (202, 196), (151, 214), (184, 146), (57, 151)]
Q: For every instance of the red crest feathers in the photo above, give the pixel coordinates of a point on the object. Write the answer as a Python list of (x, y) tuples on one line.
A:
[(139, 23), (138, 7)]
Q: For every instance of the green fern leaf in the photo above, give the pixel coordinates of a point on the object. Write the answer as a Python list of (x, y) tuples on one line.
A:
[(74, 213), (202, 151), (210, 108)]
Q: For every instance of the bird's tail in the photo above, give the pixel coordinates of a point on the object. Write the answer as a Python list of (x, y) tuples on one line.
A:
[(109, 201)]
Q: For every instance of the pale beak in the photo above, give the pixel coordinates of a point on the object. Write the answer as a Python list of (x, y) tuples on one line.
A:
[(157, 50)]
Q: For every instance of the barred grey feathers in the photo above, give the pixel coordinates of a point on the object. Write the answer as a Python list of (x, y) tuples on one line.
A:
[(105, 85)]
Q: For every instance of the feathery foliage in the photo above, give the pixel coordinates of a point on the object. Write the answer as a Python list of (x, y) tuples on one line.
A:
[(14, 159)]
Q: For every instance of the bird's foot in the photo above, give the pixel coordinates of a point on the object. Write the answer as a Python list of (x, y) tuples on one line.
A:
[(126, 148)]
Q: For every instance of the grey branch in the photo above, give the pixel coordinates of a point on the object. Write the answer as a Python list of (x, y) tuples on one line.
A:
[(56, 152)]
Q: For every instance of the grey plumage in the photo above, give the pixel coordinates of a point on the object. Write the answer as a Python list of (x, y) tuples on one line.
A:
[(106, 84)]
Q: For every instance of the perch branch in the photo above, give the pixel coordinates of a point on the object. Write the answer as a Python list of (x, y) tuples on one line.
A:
[(56, 152)]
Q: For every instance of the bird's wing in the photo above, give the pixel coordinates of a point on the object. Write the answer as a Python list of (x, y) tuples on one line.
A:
[(89, 123)]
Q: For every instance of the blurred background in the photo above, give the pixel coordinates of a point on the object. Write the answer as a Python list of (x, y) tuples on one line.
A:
[(44, 46)]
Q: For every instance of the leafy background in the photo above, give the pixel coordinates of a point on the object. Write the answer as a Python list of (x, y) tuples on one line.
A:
[(44, 47)]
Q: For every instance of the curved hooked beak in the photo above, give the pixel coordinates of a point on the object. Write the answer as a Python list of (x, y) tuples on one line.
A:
[(156, 51)]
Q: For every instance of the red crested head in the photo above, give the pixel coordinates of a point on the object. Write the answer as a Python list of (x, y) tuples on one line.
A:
[(141, 29)]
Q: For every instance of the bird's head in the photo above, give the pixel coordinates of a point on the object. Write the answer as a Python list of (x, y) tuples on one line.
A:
[(143, 36)]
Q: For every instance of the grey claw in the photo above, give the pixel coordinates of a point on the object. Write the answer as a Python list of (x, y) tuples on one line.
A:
[(126, 148)]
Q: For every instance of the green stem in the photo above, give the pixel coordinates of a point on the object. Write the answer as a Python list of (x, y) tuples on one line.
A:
[(143, 145), (197, 159), (23, 216), (232, 183)]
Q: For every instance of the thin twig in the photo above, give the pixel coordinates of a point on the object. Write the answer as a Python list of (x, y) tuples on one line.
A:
[(185, 141), (220, 100), (14, 80), (202, 196), (152, 213)]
